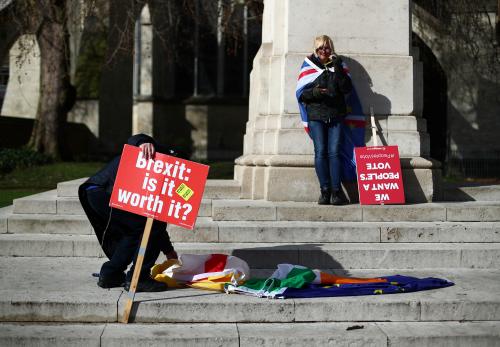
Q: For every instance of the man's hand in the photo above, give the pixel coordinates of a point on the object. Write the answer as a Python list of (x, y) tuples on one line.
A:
[(148, 150)]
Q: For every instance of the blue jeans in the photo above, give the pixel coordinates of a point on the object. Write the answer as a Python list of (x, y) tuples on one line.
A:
[(326, 138)]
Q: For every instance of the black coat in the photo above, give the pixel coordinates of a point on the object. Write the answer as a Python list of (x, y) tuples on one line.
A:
[(330, 105), (105, 178)]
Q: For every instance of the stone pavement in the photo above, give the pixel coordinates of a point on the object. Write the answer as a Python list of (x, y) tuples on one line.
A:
[(48, 297), (51, 290)]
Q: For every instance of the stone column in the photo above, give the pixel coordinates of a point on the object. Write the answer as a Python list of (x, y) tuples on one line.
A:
[(142, 117), (115, 92), (374, 37)]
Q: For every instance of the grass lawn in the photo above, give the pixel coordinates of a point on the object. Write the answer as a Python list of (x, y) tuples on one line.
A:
[(28, 181), (7, 195)]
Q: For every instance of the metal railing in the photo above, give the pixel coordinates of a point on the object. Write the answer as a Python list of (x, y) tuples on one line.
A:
[(482, 165)]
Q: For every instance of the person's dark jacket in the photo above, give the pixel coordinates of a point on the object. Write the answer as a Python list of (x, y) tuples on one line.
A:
[(105, 178), (329, 105)]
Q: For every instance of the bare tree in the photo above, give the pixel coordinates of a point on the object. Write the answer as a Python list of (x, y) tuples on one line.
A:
[(473, 29), (48, 21)]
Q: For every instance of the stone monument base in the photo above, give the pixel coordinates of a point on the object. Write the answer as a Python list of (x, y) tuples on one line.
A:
[(292, 178)]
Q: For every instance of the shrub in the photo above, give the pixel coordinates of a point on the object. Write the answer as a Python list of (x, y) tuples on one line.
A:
[(11, 158)]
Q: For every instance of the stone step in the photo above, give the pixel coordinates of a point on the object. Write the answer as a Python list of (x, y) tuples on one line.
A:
[(62, 290), (69, 188), (260, 210), (207, 230), (453, 192), (401, 334), (267, 255), (214, 189), (50, 203), (48, 224), (45, 202), (5, 212)]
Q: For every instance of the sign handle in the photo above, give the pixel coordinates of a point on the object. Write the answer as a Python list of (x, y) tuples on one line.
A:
[(374, 128), (137, 270)]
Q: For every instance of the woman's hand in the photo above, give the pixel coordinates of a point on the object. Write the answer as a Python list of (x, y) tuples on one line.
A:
[(319, 92), (148, 150)]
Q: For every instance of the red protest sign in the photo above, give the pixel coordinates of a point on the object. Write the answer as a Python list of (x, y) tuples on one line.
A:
[(167, 188), (379, 175)]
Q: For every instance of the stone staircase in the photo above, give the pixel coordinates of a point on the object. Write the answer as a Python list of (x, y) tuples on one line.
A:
[(48, 297)]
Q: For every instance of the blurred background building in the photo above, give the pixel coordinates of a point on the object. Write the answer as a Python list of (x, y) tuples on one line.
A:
[(181, 74)]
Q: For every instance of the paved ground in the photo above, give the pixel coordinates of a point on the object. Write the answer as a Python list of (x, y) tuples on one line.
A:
[(49, 298), (62, 289)]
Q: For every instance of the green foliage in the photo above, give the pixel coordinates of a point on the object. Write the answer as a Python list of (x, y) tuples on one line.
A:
[(11, 158), (7, 195), (46, 177), (24, 181), (221, 170)]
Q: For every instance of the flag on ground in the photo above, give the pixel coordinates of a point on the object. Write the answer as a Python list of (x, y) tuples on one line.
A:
[(295, 281), (205, 271)]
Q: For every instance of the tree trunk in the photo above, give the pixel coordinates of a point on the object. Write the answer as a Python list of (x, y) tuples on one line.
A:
[(498, 22), (54, 83)]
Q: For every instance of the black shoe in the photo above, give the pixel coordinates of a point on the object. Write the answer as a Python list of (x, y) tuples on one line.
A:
[(324, 198), (111, 281), (149, 285), (338, 198)]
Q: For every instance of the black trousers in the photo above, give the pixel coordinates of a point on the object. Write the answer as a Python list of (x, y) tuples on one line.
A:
[(120, 233)]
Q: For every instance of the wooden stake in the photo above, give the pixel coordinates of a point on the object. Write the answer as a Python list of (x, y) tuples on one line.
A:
[(374, 127), (137, 270)]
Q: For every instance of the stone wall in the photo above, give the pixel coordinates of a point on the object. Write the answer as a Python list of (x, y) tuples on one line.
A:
[(472, 89)]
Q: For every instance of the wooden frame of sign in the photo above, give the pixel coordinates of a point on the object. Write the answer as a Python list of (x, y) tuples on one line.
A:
[(137, 271)]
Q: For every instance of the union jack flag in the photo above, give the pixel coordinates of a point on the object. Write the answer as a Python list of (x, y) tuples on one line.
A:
[(353, 126)]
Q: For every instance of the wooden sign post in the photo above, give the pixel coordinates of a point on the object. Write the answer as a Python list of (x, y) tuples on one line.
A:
[(374, 127), (137, 270), (380, 179)]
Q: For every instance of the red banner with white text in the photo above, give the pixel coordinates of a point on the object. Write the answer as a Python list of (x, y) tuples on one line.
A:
[(379, 175), (165, 188)]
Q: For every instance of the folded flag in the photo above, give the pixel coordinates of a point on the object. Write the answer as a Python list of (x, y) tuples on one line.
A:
[(308, 73), (354, 136), (205, 271), (295, 281)]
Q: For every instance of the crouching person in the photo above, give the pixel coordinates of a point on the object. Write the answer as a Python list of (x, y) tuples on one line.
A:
[(119, 232)]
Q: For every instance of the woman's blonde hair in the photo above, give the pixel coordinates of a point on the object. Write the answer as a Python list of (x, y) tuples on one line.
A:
[(323, 40)]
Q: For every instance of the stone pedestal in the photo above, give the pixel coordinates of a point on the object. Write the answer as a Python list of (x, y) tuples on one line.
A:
[(374, 37)]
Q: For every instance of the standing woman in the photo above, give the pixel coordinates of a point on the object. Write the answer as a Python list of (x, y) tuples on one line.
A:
[(322, 85)]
